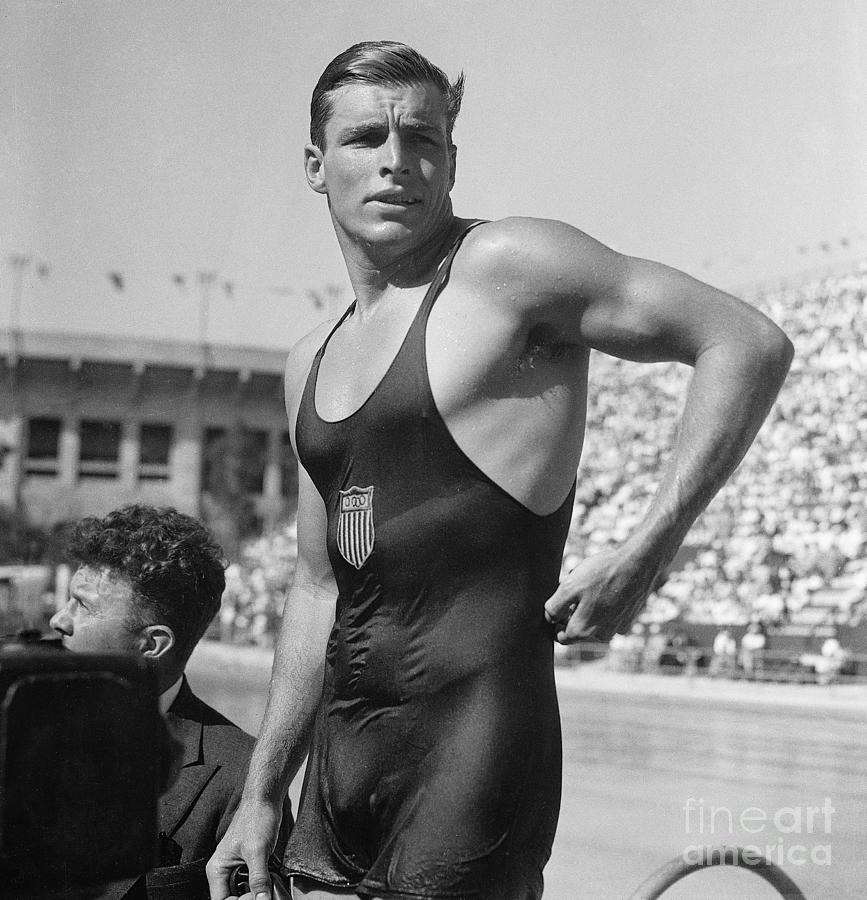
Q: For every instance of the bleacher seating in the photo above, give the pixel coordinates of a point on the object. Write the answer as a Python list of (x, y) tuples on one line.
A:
[(785, 539)]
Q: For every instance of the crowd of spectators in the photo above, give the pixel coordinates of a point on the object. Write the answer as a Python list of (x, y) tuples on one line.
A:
[(256, 585), (655, 649), (793, 519), (789, 525)]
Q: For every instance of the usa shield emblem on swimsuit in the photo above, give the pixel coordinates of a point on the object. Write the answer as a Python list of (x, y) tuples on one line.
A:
[(355, 525)]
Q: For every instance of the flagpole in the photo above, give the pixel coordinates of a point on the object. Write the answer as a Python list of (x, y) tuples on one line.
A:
[(19, 262), (206, 279)]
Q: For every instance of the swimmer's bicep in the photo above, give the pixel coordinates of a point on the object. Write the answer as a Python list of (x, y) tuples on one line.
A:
[(651, 312), (313, 570), (595, 297)]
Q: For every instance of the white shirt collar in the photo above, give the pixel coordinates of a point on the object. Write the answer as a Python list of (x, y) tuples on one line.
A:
[(167, 697)]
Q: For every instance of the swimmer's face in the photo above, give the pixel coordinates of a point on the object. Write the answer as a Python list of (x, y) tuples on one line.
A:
[(388, 166)]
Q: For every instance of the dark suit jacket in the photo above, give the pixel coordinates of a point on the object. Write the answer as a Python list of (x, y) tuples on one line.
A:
[(196, 811)]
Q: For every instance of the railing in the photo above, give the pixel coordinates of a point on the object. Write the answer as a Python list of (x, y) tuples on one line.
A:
[(784, 666)]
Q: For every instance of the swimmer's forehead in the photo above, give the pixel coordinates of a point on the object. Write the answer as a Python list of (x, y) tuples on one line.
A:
[(358, 106)]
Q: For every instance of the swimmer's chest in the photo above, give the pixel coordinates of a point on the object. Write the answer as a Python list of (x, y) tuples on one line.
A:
[(471, 350)]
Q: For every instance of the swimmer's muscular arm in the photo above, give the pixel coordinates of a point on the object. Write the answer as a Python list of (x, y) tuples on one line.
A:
[(594, 297), (296, 677)]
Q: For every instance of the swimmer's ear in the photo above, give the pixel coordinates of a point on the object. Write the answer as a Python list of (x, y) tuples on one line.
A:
[(314, 168)]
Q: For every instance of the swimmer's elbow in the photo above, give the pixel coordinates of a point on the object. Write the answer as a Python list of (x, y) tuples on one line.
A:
[(773, 351)]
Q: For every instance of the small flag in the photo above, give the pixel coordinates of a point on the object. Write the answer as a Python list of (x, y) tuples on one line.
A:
[(116, 279), (326, 298)]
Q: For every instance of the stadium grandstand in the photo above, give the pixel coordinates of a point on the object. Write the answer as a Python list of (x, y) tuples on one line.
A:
[(785, 538)]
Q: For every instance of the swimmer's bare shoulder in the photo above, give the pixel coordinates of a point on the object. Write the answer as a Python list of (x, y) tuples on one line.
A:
[(536, 262)]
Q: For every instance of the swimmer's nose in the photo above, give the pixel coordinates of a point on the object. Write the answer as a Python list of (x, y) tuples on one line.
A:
[(394, 156)]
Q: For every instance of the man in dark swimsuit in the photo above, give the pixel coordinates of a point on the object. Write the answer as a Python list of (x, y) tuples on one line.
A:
[(439, 426)]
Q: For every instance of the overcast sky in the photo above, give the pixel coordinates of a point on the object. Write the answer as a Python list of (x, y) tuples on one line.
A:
[(156, 140)]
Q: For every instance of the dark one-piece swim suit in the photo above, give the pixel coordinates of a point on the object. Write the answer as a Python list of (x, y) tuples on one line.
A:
[(435, 766)]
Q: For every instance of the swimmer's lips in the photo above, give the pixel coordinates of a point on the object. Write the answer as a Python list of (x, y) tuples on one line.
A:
[(395, 199)]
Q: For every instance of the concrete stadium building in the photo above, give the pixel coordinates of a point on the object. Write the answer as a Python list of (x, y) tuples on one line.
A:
[(90, 422)]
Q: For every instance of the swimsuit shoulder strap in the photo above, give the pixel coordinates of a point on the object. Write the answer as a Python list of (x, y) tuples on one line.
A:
[(442, 276)]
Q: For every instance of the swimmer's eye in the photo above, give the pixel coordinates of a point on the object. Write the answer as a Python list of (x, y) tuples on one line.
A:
[(363, 138), (367, 140)]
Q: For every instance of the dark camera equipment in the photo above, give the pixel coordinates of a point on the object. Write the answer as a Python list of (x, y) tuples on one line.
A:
[(84, 756)]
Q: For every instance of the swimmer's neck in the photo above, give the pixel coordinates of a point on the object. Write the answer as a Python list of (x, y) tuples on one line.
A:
[(377, 269)]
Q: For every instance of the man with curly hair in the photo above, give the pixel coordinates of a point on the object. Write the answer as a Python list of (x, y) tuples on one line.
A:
[(149, 581)]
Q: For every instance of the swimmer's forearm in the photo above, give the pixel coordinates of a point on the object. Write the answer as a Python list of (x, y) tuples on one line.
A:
[(732, 389), (293, 697)]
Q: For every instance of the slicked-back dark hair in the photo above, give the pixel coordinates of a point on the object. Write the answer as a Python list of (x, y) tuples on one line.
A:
[(174, 565), (380, 62)]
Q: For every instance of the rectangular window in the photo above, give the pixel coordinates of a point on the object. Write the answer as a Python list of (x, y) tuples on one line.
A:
[(99, 455), (234, 460), (255, 458), (155, 445), (214, 458), (43, 447)]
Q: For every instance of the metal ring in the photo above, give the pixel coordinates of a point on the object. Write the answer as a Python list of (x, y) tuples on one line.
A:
[(722, 855)]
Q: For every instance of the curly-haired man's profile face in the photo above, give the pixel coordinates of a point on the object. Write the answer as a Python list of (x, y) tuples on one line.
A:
[(96, 617)]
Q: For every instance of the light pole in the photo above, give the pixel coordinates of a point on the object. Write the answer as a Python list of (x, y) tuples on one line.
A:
[(206, 278), (19, 262)]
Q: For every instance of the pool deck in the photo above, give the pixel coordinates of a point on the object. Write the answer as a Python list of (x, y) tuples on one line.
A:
[(849, 700), (845, 699)]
